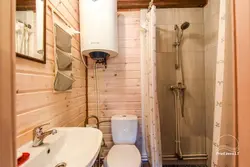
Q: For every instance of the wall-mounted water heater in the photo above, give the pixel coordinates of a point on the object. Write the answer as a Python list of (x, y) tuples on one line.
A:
[(98, 23)]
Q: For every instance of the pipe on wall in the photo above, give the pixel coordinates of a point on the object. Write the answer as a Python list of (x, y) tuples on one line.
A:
[(86, 89)]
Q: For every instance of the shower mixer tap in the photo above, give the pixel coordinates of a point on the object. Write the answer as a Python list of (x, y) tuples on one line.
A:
[(179, 86), (178, 91)]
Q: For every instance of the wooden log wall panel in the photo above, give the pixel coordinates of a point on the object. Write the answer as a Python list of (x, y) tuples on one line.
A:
[(123, 91), (137, 4), (23, 5), (36, 102), (116, 74), (119, 84), (116, 105)]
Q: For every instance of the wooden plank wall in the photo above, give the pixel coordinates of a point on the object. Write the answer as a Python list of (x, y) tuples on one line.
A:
[(35, 101), (119, 84)]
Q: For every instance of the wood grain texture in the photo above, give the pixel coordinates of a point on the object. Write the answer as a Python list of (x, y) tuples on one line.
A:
[(24, 5), (242, 36), (7, 84), (137, 4), (119, 84), (36, 102)]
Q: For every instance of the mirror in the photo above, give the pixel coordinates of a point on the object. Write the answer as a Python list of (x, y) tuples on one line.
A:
[(30, 30)]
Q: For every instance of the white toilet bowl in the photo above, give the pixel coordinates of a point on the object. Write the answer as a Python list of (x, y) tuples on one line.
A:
[(124, 156), (124, 153)]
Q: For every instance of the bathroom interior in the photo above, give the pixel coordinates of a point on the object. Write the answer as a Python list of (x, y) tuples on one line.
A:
[(124, 83)]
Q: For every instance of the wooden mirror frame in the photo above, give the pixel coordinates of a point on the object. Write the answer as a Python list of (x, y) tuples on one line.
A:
[(44, 41)]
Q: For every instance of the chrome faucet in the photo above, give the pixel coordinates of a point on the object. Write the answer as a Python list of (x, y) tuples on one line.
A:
[(39, 135), (179, 87)]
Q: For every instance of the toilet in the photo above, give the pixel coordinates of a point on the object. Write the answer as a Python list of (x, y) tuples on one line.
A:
[(124, 153)]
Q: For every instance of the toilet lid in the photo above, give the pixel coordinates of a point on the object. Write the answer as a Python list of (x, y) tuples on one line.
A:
[(124, 156)]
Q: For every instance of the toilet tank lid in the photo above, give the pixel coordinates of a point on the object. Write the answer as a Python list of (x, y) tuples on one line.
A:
[(124, 117)]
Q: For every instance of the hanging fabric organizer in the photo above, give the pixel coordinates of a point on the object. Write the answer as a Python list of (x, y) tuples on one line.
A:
[(63, 55), (64, 60), (63, 68)]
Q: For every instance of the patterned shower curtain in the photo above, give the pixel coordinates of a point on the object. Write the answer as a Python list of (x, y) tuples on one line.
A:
[(225, 144), (149, 87)]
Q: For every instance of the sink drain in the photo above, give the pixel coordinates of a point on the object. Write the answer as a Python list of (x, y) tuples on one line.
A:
[(62, 164)]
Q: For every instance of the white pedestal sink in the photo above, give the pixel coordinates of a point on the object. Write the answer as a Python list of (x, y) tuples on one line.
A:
[(77, 147)]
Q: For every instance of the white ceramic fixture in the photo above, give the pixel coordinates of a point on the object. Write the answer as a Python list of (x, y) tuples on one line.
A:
[(98, 20), (77, 147), (124, 153)]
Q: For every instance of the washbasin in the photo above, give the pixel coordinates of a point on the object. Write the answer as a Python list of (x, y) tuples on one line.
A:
[(69, 147)]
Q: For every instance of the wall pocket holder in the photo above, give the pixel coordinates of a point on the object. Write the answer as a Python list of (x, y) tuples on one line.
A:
[(62, 39), (63, 82), (63, 60)]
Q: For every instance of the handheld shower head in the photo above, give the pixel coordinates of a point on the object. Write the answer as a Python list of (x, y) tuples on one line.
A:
[(185, 25)]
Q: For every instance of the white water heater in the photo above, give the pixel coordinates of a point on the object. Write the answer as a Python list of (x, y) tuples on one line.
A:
[(98, 23)]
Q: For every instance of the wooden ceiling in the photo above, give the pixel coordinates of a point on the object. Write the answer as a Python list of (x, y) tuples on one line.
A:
[(23, 5), (137, 4)]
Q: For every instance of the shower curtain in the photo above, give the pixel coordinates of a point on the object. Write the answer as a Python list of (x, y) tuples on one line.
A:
[(149, 87), (225, 143)]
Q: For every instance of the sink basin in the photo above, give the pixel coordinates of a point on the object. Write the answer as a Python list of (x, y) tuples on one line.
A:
[(75, 147)]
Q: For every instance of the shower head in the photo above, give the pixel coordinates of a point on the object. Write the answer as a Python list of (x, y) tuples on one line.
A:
[(185, 25)]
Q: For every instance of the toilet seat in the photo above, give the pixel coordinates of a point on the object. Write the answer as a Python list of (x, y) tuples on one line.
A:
[(124, 156)]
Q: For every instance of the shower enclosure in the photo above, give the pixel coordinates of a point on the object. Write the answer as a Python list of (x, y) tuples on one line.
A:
[(184, 79), (181, 85), (178, 90)]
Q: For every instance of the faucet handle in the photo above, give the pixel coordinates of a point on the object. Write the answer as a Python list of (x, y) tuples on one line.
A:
[(37, 131)]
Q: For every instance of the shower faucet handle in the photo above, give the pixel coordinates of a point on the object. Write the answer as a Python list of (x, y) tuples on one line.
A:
[(179, 86)]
